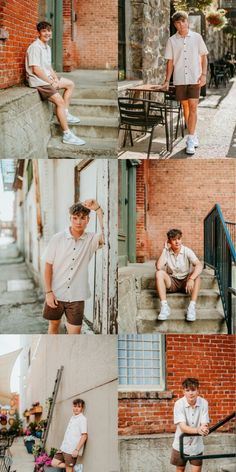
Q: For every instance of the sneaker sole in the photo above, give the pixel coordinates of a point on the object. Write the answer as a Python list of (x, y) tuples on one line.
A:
[(73, 122), (190, 153), (187, 319), (73, 144), (162, 319)]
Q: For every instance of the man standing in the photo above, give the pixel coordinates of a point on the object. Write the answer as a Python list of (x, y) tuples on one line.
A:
[(186, 55), (66, 269), (40, 75)]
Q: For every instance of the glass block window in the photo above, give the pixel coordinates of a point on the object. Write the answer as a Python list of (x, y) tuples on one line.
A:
[(140, 361)]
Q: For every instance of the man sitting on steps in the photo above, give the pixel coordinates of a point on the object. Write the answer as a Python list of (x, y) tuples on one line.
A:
[(178, 270), (40, 75)]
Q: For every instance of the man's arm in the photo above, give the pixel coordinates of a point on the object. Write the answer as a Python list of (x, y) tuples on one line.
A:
[(94, 205), (50, 297), (202, 78), (203, 429), (82, 441), (40, 74), (161, 261), (198, 267), (169, 71)]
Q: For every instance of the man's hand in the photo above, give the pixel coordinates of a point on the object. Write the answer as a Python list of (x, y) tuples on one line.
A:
[(51, 300), (55, 83), (203, 430), (202, 80), (167, 245), (189, 286), (75, 453), (165, 86), (92, 204)]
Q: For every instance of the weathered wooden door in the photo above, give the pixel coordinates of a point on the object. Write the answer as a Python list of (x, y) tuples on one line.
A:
[(54, 14)]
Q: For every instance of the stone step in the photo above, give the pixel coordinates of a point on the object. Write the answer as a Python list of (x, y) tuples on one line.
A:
[(208, 321), (96, 92), (94, 107), (148, 299), (228, 467), (148, 281), (18, 297), (91, 127), (94, 147)]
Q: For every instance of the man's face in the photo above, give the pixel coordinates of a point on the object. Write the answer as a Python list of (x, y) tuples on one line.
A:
[(175, 243), (45, 35), (79, 222), (181, 25), (77, 409), (191, 395)]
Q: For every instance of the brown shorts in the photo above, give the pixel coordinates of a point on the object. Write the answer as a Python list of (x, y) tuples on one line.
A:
[(74, 312), (177, 460), (46, 91), (184, 92), (177, 285), (67, 459)]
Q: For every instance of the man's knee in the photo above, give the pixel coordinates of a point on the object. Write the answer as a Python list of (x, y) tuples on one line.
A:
[(160, 274), (57, 99)]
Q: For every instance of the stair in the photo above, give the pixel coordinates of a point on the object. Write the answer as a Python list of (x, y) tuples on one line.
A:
[(95, 102), (228, 467), (210, 318)]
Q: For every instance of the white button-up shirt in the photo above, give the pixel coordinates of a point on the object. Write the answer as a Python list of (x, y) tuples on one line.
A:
[(185, 51), (179, 265), (38, 54), (193, 417), (70, 259), (76, 427)]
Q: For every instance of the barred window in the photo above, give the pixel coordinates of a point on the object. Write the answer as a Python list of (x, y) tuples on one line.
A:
[(141, 362)]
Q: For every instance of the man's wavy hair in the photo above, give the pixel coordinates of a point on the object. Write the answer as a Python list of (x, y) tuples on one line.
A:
[(179, 15), (44, 25), (79, 209), (173, 233), (191, 383)]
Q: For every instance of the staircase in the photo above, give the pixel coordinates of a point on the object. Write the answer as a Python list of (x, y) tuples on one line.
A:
[(95, 102), (210, 318)]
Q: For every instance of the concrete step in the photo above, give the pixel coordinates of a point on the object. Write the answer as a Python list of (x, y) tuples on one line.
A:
[(208, 321), (17, 297), (148, 299), (95, 92), (90, 126), (94, 107), (148, 281), (228, 467), (94, 147)]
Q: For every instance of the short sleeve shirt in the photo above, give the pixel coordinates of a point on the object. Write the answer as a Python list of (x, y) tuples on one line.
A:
[(186, 51), (193, 417), (179, 266), (70, 260), (76, 427), (38, 54)]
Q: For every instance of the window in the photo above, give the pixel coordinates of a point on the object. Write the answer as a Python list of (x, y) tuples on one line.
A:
[(140, 361)]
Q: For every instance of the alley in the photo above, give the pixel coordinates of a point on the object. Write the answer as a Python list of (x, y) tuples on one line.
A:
[(22, 461), (216, 130)]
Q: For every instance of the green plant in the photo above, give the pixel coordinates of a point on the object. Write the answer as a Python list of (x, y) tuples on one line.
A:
[(217, 18), (186, 5), (16, 427), (37, 449)]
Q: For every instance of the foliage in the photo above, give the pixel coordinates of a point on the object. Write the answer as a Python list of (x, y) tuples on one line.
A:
[(37, 448), (230, 30), (16, 427), (186, 5), (217, 18)]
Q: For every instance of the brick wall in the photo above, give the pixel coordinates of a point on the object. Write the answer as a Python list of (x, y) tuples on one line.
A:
[(209, 358), (19, 18), (180, 194), (96, 34)]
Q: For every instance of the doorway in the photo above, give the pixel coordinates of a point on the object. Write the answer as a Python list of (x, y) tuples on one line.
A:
[(54, 15)]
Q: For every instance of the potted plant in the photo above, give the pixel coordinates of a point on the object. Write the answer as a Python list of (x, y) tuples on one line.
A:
[(217, 18), (29, 443), (43, 461), (187, 5)]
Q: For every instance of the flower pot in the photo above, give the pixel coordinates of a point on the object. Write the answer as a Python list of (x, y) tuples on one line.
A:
[(29, 446), (38, 434)]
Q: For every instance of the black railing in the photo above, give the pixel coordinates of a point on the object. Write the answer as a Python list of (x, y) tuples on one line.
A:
[(232, 231), (186, 457), (220, 255)]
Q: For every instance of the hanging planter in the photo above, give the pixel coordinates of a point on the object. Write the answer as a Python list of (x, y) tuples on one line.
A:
[(217, 18), (187, 5)]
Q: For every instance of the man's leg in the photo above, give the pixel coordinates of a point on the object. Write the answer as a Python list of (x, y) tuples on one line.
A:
[(191, 311), (196, 288), (73, 329), (192, 119), (57, 463), (69, 468), (186, 110), (196, 468), (54, 326), (60, 110), (180, 468), (68, 87), (163, 282)]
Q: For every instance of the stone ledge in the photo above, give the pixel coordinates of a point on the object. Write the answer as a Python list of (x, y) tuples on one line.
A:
[(152, 395)]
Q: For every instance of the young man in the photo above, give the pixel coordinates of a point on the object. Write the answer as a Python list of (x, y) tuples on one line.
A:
[(74, 439), (186, 55), (40, 74), (178, 270), (66, 270), (190, 416)]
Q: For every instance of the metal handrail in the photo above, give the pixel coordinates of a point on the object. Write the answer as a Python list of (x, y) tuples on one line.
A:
[(186, 457), (220, 255)]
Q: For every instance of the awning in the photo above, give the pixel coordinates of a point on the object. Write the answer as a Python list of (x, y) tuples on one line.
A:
[(7, 362)]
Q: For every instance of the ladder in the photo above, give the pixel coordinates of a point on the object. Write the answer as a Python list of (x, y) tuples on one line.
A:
[(51, 406)]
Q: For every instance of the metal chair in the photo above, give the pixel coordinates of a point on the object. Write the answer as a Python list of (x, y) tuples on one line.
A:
[(136, 114)]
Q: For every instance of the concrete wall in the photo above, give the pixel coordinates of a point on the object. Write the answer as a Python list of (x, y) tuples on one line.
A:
[(145, 454), (24, 124), (87, 374)]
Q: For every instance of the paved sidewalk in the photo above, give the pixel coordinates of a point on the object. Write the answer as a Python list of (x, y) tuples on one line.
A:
[(216, 130), (22, 461)]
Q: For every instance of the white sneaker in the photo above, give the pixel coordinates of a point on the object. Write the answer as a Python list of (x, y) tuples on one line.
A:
[(71, 119), (190, 146), (78, 468), (191, 313), (164, 313), (196, 141), (70, 138)]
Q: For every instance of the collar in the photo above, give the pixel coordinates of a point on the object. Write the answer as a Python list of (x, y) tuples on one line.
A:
[(180, 252), (41, 44), (186, 404), (178, 36), (69, 235)]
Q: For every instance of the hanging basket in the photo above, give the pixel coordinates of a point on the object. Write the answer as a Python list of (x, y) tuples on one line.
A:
[(217, 18), (187, 5)]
